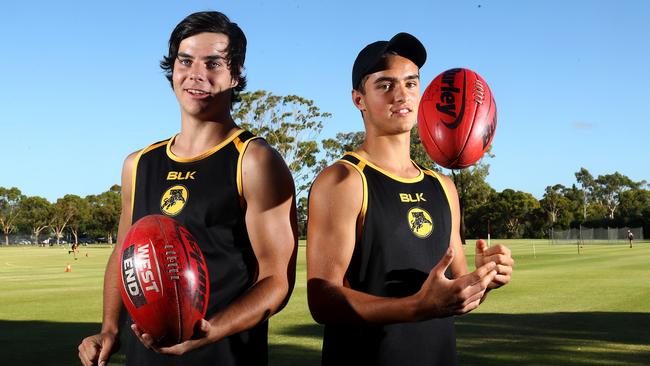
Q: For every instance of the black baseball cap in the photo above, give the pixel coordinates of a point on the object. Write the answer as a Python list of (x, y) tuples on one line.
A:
[(402, 44)]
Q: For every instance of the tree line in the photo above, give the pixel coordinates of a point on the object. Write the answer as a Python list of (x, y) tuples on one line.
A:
[(292, 124)]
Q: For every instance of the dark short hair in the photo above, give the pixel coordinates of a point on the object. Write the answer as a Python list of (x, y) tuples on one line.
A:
[(212, 22)]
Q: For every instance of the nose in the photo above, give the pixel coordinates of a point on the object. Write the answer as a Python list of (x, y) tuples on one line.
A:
[(197, 73), (401, 93)]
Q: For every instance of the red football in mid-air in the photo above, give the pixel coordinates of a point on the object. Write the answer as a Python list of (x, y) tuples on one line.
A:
[(165, 284), (457, 118)]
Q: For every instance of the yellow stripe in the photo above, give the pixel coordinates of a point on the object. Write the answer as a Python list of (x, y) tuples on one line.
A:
[(135, 169), (204, 155), (388, 174), (364, 205), (241, 147)]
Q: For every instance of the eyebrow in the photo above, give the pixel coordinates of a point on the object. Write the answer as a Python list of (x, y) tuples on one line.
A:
[(208, 58), (387, 78)]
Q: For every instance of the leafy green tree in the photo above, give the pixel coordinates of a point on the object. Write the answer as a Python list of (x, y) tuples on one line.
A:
[(634, 203), (343, 142), (586, 180), (10, 199), (556, 206), (81, 217), (575, 197), (512, 212), (35, 214), (290, 124), (608, 189), (473, 193), (67, 212), (105, 210)]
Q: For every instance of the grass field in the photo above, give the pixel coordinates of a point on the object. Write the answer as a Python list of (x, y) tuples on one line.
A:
[(562, 308)]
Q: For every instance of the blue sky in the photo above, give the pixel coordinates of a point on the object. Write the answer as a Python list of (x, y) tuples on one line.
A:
[(81, 87)]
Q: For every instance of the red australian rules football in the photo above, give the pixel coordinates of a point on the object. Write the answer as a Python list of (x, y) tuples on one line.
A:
[(165, 283), (457, 118)]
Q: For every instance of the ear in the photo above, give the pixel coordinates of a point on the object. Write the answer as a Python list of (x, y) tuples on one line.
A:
[(234, 82), (358, 100)]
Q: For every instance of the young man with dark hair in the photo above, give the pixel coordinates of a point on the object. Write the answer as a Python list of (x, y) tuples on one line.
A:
[(385, 264), (231, 190)]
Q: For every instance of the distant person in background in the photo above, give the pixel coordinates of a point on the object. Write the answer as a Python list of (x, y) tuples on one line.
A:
[(630, 237), (74, 250)]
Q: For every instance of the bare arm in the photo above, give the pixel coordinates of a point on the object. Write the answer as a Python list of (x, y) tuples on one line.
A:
[(97, 348), (334, 205), (271, 223)]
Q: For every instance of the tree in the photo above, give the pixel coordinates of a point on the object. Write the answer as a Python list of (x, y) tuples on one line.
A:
[(343, 142), (635, 208), (10, 199), (513, 211), (35, 214), (288, 123), (608, 189), (556, 206), (634, 203), (105, 211), (586, 180), (67, 212), (473, 192), (80, 218)]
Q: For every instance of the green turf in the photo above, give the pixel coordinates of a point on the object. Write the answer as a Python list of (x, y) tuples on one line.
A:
[(562, 308)]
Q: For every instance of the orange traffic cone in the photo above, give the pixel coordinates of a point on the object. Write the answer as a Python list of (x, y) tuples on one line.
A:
[(68, 268)]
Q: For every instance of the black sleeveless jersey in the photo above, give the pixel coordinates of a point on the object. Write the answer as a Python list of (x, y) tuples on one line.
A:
[(204, 193), (403, 231)]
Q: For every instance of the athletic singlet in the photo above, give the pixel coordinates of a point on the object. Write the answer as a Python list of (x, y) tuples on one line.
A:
[(403, 231), (204, 193)]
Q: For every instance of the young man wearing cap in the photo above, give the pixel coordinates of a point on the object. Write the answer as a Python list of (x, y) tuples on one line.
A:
[(385, 264), (235, 195)]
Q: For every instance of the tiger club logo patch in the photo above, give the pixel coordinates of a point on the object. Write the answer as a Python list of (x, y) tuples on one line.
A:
[(173, 200), (420, 222)]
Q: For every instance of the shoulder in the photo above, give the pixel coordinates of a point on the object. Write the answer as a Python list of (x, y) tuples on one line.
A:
[(260, 158), (264, 172), (340, 182), (129, 162), (338, 174)]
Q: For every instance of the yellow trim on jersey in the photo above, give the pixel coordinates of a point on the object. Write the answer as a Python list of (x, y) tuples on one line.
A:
[(364, 204), (388, 174), (204, 155), (135, 169), (444, 187), (241, 147)]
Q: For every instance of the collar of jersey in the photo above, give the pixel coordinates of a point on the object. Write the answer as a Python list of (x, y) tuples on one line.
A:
[(203, 155), (388, 174)]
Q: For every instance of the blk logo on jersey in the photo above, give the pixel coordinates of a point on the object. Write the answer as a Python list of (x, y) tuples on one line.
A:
[(420, 222), (180, 175), (411, 197), (173, 200)]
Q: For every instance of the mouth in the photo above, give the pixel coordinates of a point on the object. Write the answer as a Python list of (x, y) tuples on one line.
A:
[(403, 111), (197, 93)]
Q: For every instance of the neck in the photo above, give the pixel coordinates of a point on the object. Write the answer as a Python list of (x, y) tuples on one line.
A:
[(391, 153), (198, 136)]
